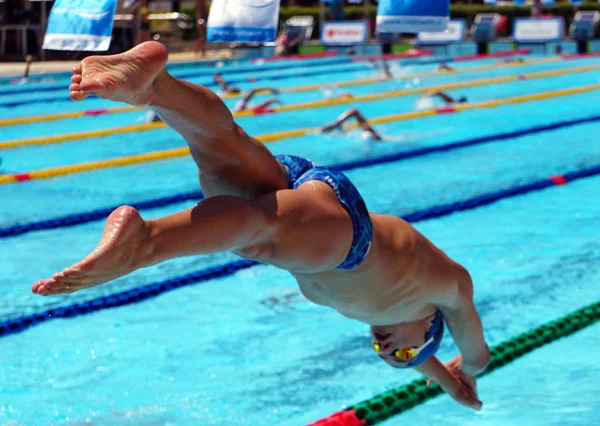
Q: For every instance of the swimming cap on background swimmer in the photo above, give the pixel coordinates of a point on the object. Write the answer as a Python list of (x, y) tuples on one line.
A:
[(462, 100)]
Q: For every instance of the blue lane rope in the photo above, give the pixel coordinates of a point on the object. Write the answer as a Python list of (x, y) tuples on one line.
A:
[(81, 218), (19, 324), (306, 73)]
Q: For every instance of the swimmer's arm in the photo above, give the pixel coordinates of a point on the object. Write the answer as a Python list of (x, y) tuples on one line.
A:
[(446, 98), (465, 325)]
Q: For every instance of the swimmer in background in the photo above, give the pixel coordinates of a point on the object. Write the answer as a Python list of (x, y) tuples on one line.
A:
[(513, 61), (243, 105), (368, 131), (387, 74), (330, 93), (445, 67), (448, 100), (287, 212), (226, 88)]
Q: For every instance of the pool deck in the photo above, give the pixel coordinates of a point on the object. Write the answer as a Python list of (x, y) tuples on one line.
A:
[(18, 68)]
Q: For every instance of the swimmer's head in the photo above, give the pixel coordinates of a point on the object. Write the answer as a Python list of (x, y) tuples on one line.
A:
[(407, 345), (462, 100)]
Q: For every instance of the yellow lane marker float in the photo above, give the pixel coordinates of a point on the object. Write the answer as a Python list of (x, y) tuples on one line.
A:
[(44, 140), (180, 152)]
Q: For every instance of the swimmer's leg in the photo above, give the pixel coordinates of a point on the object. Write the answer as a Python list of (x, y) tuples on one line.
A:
[(128, 243), (229, 161)]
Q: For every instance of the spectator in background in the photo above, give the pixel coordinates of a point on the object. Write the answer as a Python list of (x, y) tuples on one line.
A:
[(336, 10), (141, 7), (536, 10), (288, 43), (201, 23)]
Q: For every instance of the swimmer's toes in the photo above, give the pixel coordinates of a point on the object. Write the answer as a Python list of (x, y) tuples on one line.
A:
[(41, 287), (93, 85), (78, 95)]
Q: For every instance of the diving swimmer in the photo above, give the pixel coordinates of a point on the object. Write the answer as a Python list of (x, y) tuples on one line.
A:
[(287, 212)]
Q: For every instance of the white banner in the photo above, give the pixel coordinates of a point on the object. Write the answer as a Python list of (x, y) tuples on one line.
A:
[(537, 30), (243, 21), (412, 16), (453, 33), (83, 25), (344, 32)]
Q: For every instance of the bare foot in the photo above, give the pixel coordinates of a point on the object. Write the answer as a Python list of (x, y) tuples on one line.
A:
[(126, 77), (122, 249)]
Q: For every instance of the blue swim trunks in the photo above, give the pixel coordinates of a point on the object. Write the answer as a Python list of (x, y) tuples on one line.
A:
[(300, 170)]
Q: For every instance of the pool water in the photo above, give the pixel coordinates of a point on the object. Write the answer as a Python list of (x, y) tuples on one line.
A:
[(248, 348)]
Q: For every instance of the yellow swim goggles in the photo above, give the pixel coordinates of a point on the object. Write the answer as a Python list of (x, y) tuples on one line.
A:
[(405, 354)]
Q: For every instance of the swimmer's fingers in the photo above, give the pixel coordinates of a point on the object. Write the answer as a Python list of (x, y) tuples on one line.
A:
[(467, 397), (76, 78)]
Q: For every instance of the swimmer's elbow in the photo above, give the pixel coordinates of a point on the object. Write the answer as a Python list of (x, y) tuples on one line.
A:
[(464, 283)]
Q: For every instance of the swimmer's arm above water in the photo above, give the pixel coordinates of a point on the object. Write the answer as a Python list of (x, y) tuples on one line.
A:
[(465, 326)]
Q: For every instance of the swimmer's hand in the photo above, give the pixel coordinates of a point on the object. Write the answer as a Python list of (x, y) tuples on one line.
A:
[(465, 392)]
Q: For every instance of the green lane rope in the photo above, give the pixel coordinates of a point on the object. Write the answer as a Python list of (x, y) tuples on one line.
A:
[(391, 403)]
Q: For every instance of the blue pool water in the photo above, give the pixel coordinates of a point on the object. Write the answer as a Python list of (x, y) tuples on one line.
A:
[(222, 352)]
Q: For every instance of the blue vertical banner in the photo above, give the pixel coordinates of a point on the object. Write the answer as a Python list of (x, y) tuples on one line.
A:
[(243, 21), (519, 2), (577, 2), (80, 25), (490, 2), (412, 16), (548, 2)]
